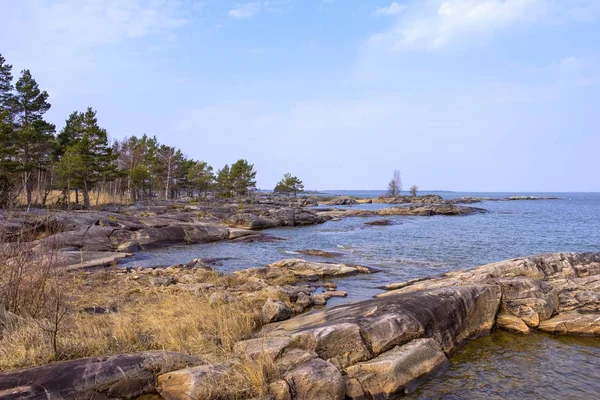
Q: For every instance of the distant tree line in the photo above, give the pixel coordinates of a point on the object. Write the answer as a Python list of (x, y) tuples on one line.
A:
[(80, 158)]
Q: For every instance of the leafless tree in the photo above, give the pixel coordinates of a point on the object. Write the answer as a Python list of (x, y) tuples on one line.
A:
[(413, 190), (395, 185)]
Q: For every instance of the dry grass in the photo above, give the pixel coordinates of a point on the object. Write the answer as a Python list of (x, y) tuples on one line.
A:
[(55, 196)]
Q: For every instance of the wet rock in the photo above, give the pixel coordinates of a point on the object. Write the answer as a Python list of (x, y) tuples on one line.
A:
[(334, 293), (511, 323), (316, 379), (274, 311), (379, 222), (399, 369), (319, 253), (120, 376), (573, 323)]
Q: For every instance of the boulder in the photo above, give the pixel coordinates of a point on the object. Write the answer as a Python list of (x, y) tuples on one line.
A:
[(316, 379), (120, 376), (398, 370), (274, 311), (303, 269), (205, 382), (280, 390), (511, 323)]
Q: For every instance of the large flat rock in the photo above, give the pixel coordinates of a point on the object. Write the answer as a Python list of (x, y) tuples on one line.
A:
[(120, 376)]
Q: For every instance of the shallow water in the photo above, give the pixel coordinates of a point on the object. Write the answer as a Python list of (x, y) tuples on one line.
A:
[(495, 367), (509, 366)]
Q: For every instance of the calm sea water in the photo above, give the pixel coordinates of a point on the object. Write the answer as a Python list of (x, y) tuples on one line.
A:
[(500, 366)]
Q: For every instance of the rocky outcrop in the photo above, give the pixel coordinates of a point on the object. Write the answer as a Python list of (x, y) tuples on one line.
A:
[(535, 289), (340, 201), (376, 348), (423, 210), (303, 268), (115, 377)]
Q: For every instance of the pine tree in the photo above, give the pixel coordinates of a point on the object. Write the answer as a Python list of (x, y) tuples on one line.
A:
[(87, 157), (7, 132), (289, 184), (242, 177), (224, 184), (34, 136), (6, 86), (200, 176)]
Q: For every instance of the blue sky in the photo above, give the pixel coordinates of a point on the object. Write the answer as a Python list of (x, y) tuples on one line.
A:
[(481, 95)]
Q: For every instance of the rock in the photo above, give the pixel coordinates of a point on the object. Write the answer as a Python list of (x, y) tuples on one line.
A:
[(379, 222), (385, 331), (304, 300), (280, 390), (120, 376), (240, 233), (203, 382), (341, 201), (318, 300), (354, 389), (399, 369), (163, 280), (270, 347), (291, 357), (511, 323), (350, 332), (274, 311), (573, 323), (219, 298), (334, 293), (316, 379), (533, 301), (304, 269), (319, 253), (341, 341)]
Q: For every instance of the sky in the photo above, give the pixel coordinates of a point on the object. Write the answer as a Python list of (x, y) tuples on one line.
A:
[(464, 95)]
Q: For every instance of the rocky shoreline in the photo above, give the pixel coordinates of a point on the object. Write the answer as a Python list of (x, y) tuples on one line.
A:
[(97, 238), (377, 348)]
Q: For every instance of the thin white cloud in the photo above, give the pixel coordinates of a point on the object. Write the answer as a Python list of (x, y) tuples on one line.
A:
[(246, 10), (451, 20), (392, 9)]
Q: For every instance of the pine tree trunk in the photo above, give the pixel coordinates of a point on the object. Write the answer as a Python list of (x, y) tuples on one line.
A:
[(86, 196)]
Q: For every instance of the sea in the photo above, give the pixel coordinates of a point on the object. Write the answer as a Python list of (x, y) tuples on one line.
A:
[(499, 366)]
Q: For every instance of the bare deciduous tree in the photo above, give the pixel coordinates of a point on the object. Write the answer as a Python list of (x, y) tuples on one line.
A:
[(413, 190), (395, 185)]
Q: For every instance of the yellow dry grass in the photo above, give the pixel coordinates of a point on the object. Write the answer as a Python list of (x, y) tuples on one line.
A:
[(144, 317), (54, 196)]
